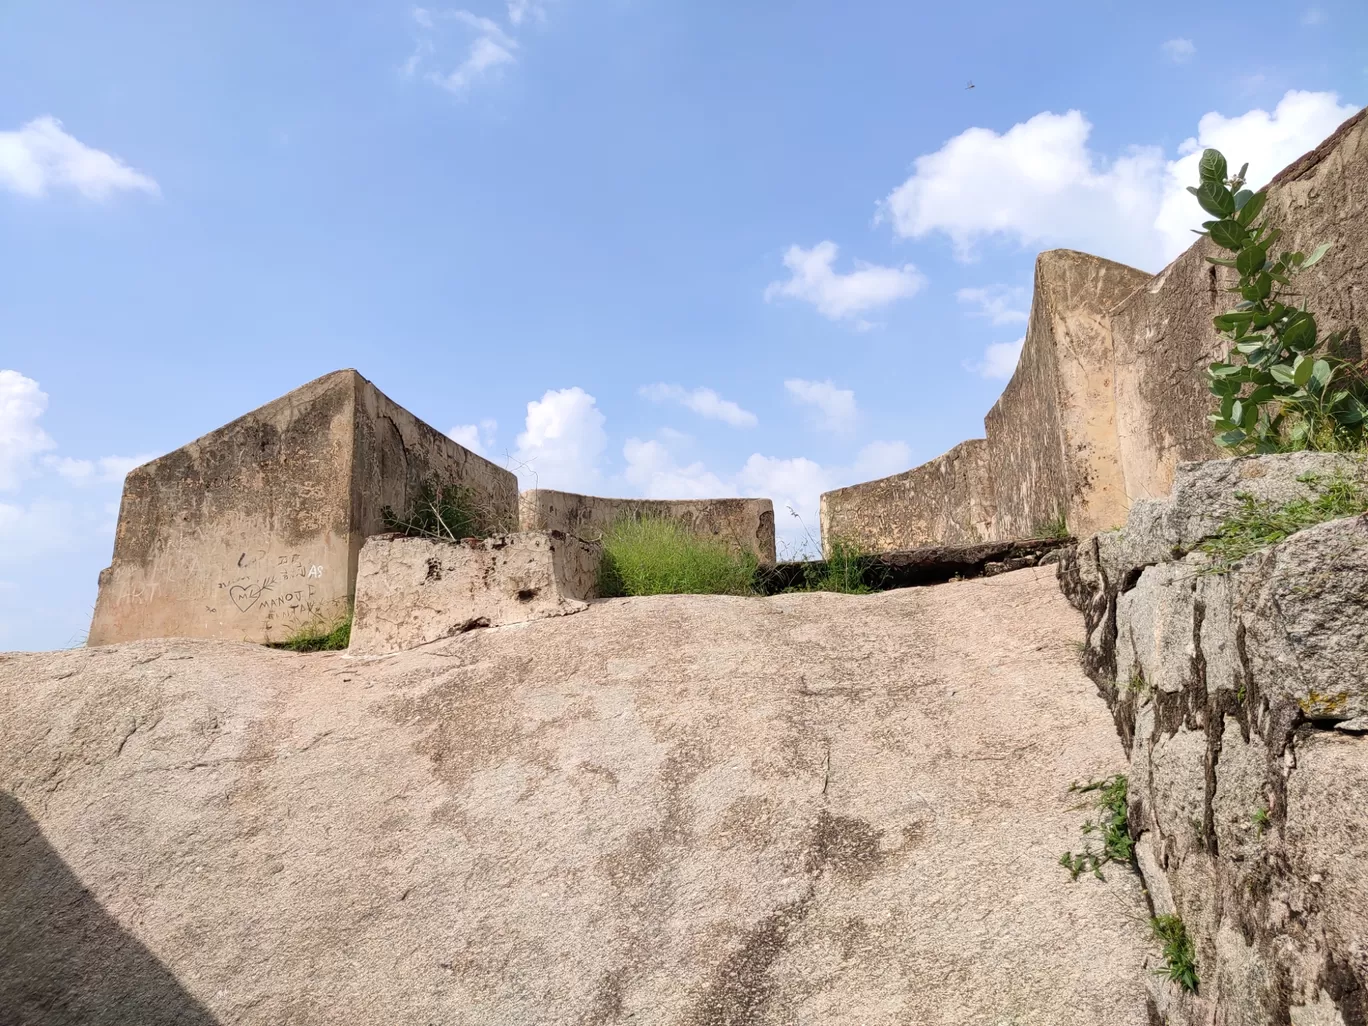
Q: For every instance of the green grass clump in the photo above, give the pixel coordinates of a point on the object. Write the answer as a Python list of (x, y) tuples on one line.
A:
[(1110, 828), (319, 636), (448, 512), (1260, 523), (845, 570), (1180, 960), (656, 556), (1055, 527)]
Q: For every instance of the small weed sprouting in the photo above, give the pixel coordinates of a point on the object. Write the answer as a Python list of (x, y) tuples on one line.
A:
[(1137, 685), (656, 556), (319, 636), (1180, 960), (1056, 527), (448, 512), (1260, 820), (1259, 523), (846, 570), (1110, 828)]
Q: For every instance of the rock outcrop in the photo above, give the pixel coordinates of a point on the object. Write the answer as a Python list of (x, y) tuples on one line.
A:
[(678, 810), (1240, 692)]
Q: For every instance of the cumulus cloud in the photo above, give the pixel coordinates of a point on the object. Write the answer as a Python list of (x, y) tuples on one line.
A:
[(105, 470), (33, 530), (653, 471), (478, 438), (1180, 51), (814, 280), (520, 11), (22, 404), (41, 156), (835, 407), (999, 359), (702, 401), (563, 441), (1038, 183), (1001, 304), (485, 44)]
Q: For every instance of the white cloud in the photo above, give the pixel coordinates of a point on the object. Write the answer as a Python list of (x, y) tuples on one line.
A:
[(478, 438), (40, 156), (702, 401), (1267, 141), (835, 406), (1314, 16), (999, 359), (653, 471), (105, 470), (562, 443), (1038, 184), (835, 295), (1180, 51), (1001, 304), (28, 532), (523, 10), (22, 404), (487, 46)]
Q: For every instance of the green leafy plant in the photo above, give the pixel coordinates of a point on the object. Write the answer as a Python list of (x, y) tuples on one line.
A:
[(1180, 960), (1056, 527), (658, 556), (1290, 390), (319, 636), (1260, 820), (1110, 829), (448, 512), (1260, 523)]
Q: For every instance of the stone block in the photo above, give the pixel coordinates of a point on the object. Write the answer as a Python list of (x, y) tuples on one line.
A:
[(1052, 434), (255, 529), (947, 501), (745, 524), (412, 591), (1163, 332)]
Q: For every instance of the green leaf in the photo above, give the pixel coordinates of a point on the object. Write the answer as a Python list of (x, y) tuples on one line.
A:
[(1212, 166), (1251, 259), (1228, 408), (1259, 287), (1231, 439), (1218, 261), (1228, 234), (1321, 373), (1316, 254), (1301, 370), (1224, 370), (1300, 332), (1228, 320), (1248, 416), (1249, 209), (1260, 395), (1283, 375), (1215, 199)]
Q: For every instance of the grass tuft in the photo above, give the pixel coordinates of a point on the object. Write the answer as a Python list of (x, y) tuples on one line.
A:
[(1056, 527), (656, 556), (845, 571), (449, 512), (1180, 960), (1110, 828), (319, 636), (1260, 523)]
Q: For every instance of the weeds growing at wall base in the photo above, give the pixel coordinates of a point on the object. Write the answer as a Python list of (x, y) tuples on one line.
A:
[(658, 556), (1110, 829), (319, 636), (447, 512), (1180, 960), (1259, 523)]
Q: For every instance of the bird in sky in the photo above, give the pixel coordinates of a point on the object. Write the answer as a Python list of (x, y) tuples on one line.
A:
[(970, 85)]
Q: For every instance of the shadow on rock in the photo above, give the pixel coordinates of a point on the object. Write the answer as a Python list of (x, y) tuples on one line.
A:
[(63, 958)]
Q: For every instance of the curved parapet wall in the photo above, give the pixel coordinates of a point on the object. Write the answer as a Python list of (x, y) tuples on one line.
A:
[(946, 501), (747, 524), (254, 530), (1164, 334), (1052, 434)]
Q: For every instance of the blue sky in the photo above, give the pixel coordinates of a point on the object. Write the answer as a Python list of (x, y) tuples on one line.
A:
[(629, 246)]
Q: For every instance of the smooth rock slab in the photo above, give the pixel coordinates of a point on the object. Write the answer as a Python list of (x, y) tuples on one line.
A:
[(680, 810), (413, 591)]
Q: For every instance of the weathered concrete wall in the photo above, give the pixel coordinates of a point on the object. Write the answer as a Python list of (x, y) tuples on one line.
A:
[(747, 524), (413, 591), (1164, 334), (1052, 439), (254, 529), (1242, 701), (947, 501)]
